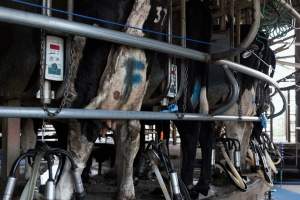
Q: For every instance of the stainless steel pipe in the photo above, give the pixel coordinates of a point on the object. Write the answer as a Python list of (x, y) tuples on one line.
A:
[(259, 75), (291, 9), (38, 21), (34, 112), (23, 18), (234, 96)]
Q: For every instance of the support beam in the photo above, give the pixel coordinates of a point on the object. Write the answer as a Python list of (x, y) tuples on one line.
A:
[(10, 142)]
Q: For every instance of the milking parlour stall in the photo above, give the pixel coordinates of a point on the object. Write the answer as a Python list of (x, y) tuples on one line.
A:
[(148, 99)]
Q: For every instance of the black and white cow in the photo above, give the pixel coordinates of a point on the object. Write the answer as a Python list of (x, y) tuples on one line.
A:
[(116, 77), (97, 58)]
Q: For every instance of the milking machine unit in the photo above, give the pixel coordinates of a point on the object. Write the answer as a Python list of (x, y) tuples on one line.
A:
[(231, 162), (44, 152), (233, 148), (52, 69)]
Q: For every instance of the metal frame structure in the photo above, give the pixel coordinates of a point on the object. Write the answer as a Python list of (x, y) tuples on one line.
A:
[(55, 24)]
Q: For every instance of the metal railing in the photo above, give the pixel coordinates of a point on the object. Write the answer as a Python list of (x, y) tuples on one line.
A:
[(9, 15)]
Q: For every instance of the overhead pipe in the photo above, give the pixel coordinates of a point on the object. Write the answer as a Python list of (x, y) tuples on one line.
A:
[(234, 96), (24, 18)]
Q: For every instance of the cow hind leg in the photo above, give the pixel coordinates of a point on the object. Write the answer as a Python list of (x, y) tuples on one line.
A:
[(188, 132), (128, 134), (206, 142), (78, 144)]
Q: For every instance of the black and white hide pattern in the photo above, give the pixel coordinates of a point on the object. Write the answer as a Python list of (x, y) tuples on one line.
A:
[(254, 94), (21, 42), (112, 77), (123, 86), (195, 101)]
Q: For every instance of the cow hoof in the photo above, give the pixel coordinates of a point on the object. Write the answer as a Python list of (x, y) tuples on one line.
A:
[(199, 189), (125, 196)]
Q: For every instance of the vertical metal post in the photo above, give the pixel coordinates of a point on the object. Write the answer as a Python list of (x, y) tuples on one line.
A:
[(170, 28), (183, 44), (288, 128), (232, 22), (297, 81), (10, 141), (222, 20), (238, 28), (271, 129), (70, 9), (47, 96), (183, 22), (69, 38)]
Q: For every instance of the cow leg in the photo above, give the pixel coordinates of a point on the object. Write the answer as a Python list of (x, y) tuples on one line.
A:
[(188, 132), (86, 172), (128, 134), (206, 142), (138, 161), (28, 141), (81, 146)]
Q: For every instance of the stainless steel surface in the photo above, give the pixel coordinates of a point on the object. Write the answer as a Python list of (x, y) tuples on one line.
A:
[(50, 23), (237, 159), (213, 157), (234, 93), (50, 190), (174, 182), (9, 189), (34, 20), (255, 25), (35, 112), (47, 93), (258, 75), (291, 9)]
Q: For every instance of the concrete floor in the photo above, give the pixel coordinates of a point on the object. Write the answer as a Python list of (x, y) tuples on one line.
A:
[(291, 188), (286, 192)]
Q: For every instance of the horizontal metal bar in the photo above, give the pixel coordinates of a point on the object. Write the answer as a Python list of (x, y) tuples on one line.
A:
[(234, 96), (34, 112), (259, 75), (38, 21), (55, 24)]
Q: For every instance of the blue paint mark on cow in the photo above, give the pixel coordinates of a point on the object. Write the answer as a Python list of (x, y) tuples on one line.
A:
[(134, 70), (136, 79), (196, 94), (138, 65)]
